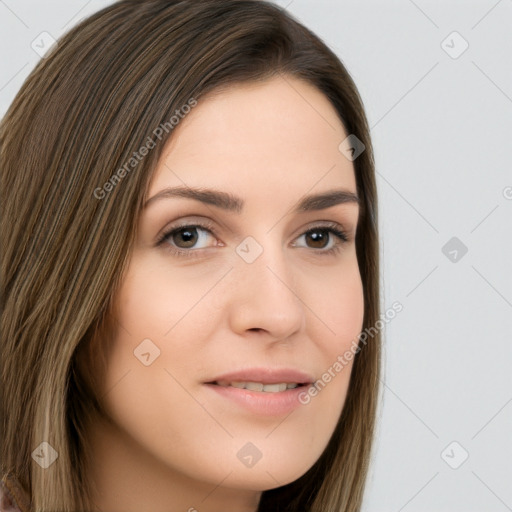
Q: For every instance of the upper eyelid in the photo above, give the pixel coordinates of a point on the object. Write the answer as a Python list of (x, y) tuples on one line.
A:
[(191, 221)]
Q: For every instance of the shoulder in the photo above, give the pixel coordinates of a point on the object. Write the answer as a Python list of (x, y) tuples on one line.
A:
[(12, 496)]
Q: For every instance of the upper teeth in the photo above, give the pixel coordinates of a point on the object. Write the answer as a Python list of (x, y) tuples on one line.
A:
[(258, 386)]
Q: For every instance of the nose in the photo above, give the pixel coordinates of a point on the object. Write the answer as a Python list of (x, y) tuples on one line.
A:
[(264, 297)]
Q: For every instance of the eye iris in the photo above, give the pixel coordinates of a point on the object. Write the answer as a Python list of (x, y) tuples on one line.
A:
[(185, 237), (320, 238)]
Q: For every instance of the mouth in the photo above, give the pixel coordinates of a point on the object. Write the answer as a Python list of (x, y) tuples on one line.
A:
[(270, 399), (261, 391), (278, 387)]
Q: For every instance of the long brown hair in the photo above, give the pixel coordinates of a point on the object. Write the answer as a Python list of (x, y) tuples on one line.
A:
[(68, 223)]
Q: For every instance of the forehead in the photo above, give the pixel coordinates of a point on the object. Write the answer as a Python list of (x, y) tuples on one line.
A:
[(281, 134)]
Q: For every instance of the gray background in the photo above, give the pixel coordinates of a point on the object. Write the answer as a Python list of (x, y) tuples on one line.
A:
[(441, 124)]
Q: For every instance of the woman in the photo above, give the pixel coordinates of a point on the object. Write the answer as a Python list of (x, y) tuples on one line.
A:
[(190, 254)]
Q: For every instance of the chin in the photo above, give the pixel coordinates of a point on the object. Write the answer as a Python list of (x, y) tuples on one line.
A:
[(269, 475)]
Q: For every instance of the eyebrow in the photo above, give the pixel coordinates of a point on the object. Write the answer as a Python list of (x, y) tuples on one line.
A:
[(234, 204)]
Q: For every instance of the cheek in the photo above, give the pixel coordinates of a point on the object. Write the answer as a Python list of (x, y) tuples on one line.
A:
[(337, 305), (335, 326), (154, 301)]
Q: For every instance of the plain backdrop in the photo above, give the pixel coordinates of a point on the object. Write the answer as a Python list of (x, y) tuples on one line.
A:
[(436, 81)]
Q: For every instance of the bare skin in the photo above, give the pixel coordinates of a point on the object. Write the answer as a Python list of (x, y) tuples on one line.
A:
[(170, 441)]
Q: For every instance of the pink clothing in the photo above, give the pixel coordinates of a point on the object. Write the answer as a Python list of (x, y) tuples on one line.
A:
[(13, 497)]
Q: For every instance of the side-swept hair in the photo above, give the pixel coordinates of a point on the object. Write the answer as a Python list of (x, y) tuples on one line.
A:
[(77, 119)]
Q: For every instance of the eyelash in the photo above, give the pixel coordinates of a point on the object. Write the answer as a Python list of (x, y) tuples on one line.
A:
[(330, 227)]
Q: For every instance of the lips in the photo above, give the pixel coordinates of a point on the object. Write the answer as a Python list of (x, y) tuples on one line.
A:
[(260, 391), (255, 402), (264, 379)]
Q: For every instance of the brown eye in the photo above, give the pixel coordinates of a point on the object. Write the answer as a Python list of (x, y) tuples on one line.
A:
[(318, 238), (184, 238), (188, 239), (327, 239)]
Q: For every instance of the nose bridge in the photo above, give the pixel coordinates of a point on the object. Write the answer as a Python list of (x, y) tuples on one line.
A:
[(266, 296)]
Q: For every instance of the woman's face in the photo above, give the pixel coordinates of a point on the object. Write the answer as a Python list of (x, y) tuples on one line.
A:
[(229, 282)]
